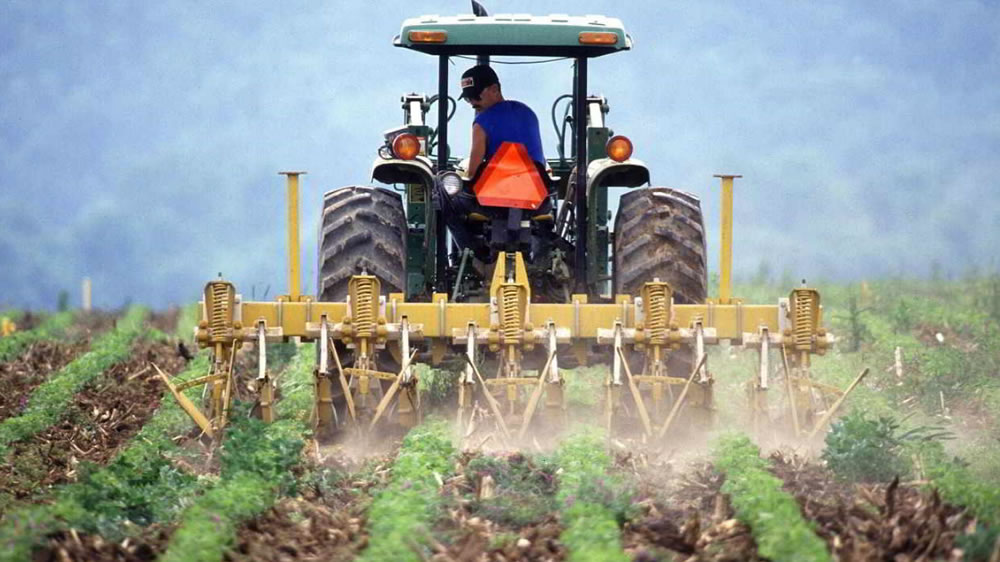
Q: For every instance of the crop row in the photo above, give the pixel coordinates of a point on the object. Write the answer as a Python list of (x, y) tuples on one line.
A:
[(403, 513), (53, 327), (139, 486), (757, 497), (49, 400), (256, 468), (587, 496)]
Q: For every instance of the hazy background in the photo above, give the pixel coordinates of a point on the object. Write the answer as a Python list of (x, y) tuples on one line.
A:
[(140, 141)]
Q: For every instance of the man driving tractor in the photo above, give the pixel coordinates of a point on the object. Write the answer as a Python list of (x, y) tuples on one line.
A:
[(497, 120)]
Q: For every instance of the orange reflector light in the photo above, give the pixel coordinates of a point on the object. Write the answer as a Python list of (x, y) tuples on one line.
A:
[(428, 36), (619, 148), (406, 146), (598, 38)]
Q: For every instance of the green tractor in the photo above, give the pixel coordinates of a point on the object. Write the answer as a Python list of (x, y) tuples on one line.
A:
[(399, 233), (512, 268)]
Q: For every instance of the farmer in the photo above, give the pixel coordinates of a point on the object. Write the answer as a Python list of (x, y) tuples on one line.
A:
[(497, 120)]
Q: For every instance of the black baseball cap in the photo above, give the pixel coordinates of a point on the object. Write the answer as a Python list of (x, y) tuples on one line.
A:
[(476, 79)]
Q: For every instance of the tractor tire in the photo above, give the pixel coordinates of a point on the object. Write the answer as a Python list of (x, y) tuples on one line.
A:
[(362, 229), (659, 233)]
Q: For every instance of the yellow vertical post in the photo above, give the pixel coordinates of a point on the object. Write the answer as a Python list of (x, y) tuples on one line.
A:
[(726, 251), (294, 292)]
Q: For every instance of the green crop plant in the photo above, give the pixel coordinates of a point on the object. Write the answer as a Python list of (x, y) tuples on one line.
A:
[(139, 486), (53, 327), (525, 488), (438, 385), (49, 400), (256, 468), (402, 514), (863, 448), (584, 384), (757, 498), (592, 501), (959, 485)]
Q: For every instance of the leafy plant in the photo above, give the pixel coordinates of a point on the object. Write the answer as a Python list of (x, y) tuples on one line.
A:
[(958, 485), (402, 513), (525, 490), (257, 462), (757, 498), (867, 449), (902, 317), (980, 544), (592, 502)]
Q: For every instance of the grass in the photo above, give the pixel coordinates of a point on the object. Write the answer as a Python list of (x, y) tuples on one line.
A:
[(48, 401), (402, 514), (53, 327), (257, 463), (757, 498), (592, 501)]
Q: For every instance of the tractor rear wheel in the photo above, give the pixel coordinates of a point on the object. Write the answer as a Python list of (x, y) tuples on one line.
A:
[(362, 230), (659, 233)]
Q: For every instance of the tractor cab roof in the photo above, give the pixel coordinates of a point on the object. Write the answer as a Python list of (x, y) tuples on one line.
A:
[(555, 35)]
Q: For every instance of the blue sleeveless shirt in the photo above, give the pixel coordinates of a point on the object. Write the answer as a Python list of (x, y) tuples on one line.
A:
[(511, 121)]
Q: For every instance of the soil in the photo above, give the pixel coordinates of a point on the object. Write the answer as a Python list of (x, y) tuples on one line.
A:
[(165, 321), (474, 536), (684, 515), (87, 324), (873, 521), (69, 546), (326, 522), (102, 417), (20, 376)]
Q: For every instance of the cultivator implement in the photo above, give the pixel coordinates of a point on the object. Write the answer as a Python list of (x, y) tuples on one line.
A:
[(527, 342), (517, 332)]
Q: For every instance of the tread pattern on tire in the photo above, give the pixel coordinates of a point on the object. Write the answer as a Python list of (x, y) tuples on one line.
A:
[(659, 233), (363, 228)]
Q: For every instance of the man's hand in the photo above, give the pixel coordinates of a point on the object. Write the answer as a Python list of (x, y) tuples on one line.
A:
[(478, 150)]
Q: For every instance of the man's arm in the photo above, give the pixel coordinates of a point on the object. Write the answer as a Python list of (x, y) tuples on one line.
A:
[(478, 150)]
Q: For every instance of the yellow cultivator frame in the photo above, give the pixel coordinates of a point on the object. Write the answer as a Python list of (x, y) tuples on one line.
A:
[(649, 325)]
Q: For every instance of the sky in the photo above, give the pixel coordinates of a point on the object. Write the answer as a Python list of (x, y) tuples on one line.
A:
[(140, 141)]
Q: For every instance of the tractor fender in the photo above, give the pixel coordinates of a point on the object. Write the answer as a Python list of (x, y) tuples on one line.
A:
[(606, 172), (419, 170)]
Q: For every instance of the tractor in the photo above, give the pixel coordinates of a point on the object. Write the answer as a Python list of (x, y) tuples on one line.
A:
[(519, 271)]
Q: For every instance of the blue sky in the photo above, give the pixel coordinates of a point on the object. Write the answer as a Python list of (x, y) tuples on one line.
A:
[(140, 141)]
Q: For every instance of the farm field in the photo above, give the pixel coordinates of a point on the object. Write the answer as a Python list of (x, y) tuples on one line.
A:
[(100, 463)]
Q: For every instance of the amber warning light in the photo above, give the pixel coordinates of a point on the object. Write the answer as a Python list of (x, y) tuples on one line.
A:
[(406, 146), (428, 36), (619, 148), (598, 38)]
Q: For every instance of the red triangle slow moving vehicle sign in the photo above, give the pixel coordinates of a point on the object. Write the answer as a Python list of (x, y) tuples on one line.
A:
[(511, 180)]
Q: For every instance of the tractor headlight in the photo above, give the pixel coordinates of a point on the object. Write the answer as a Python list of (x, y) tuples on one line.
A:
[(451, 182)]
